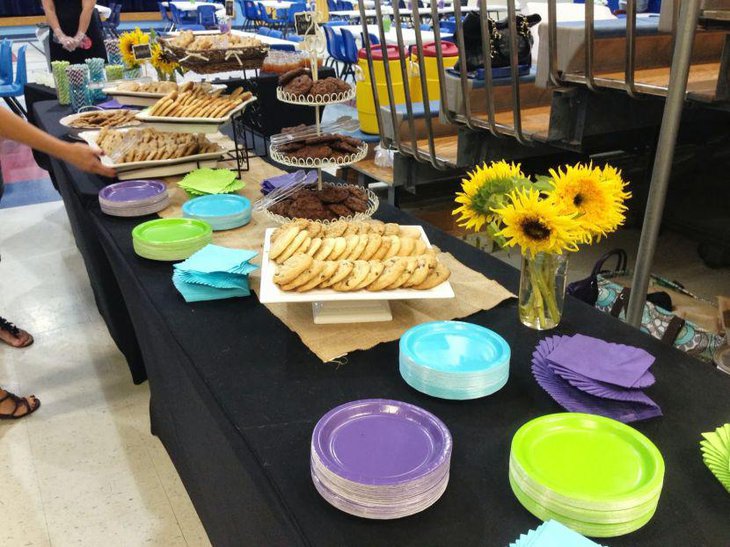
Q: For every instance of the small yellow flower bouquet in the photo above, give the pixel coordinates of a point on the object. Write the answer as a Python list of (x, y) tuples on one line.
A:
[(164, 66), (546, 219)]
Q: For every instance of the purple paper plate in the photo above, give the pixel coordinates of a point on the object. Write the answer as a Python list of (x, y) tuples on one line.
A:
[(381, 442), (132, 190)]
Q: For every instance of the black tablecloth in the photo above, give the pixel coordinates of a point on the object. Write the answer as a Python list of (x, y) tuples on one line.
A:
[(235, 396)]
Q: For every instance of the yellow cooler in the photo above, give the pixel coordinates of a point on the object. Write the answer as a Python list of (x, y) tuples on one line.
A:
[(450, 54), (365, 102)]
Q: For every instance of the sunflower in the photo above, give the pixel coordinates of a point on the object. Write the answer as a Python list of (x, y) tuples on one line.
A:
[(537, 225), (595, 195), (161, 62), (129, 39), (484, 189)]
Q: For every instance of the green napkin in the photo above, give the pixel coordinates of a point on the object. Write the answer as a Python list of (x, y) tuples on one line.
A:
[(210, 181), (716, 453)]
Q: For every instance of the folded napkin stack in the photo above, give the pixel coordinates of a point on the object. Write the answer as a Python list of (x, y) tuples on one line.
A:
[(716, 453), (207, 181), (273, 183), (553, 534), (214, 273), (585, 374)]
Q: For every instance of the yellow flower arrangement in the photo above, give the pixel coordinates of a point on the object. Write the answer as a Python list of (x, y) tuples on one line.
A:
[(596, 196), (537, 225), (482, 190), (127, 40)]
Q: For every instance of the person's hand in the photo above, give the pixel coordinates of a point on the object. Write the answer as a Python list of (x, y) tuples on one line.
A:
[(67, 43), (87, 159)]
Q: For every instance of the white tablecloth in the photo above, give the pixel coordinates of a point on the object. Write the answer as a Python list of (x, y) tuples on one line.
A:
[(193, 6)]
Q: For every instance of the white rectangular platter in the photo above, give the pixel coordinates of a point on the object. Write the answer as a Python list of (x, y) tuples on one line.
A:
[(75, 131), (271, 294), (190, 125), (141, 98), (168, 167)]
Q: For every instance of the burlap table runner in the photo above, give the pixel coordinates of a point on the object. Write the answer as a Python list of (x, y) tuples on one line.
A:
[(474, 292)]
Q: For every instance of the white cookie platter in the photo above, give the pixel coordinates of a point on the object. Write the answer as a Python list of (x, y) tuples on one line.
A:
[(331, 306)]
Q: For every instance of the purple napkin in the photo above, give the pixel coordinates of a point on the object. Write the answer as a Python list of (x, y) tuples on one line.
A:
[(616, 364), (575, 400), (272, 183), (110, 105)]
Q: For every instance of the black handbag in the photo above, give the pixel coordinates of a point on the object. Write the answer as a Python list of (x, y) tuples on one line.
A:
[(587, 289), (500, 39)]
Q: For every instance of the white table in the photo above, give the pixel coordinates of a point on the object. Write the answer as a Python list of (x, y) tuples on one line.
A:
[(275, 4), (387, 10), (409, 35), (193, 6)]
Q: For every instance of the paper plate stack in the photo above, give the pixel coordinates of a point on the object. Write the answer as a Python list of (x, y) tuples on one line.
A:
[(380, 459), (716, 453), (454, 360), (170, 239), (202, 182), (134, 198), (596, 475), (222, 211)]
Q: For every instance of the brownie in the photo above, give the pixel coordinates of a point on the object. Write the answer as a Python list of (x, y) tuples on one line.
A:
[(287, 77)]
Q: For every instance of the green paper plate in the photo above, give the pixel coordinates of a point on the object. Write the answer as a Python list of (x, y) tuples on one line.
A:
[(604, 516), (585, 528), (171, 231), (591, 460)]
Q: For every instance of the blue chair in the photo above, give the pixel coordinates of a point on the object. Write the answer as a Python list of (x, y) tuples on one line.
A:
[(334, 51), (344, 5), (291, 12), (349, 51), (250, 14), (266, 19), (14, 89), (276, 34), (263, 31), (206, 16), (110, 26), (283, 47), (165, 17), (338, 23), (181, 23), (6, 62), (332, 5), (374, 40)]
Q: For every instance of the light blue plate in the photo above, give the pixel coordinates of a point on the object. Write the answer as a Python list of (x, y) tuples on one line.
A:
[(217, 205), (454, 347)]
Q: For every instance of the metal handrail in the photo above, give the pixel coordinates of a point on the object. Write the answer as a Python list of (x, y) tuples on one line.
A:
[(588, 38), (630, 66), (514, 73)]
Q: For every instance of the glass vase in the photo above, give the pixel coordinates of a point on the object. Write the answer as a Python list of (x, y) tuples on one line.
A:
[(542, 290)]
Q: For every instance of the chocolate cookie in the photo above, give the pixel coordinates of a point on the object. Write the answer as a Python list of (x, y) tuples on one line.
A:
[(333, 194), (290, 146), (281, 208), (289, 76), (339, 209), (357, 192), (301, 85), (322, 139), (357, 205), (308, 209), (344, 146), (324, 87), (351, 140)]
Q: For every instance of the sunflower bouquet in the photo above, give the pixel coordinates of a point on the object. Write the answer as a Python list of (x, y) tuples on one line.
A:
[(546, 218), (165, 67)]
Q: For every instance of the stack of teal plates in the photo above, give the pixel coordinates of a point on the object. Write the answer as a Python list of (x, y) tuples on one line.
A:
[(454, 360), (170, 239), (596, 475), (221, 211)]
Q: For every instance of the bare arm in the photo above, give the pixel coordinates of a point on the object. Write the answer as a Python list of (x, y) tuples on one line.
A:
[(50, 8), (80, 155), (87, 9)]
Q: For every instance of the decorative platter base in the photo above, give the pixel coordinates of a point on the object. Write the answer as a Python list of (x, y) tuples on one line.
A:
[(320, 100)]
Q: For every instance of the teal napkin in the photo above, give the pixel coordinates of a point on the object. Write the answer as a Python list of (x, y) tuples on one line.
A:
[(553, 534), (214, 273)]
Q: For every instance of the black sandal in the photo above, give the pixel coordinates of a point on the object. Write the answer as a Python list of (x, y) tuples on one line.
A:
[(19, 401), (15, 332)]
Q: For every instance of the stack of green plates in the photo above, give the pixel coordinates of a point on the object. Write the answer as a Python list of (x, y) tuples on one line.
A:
[(716, 453), (596, 475), (171, 239), (202, 182)]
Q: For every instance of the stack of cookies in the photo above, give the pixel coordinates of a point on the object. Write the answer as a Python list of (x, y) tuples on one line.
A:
[(365, 255), (299, 82), (191, 101), (333, 201), (327, 146)]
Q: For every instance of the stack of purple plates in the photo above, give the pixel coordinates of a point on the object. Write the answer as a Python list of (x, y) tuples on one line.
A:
[(134, 198), (380, 459)]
